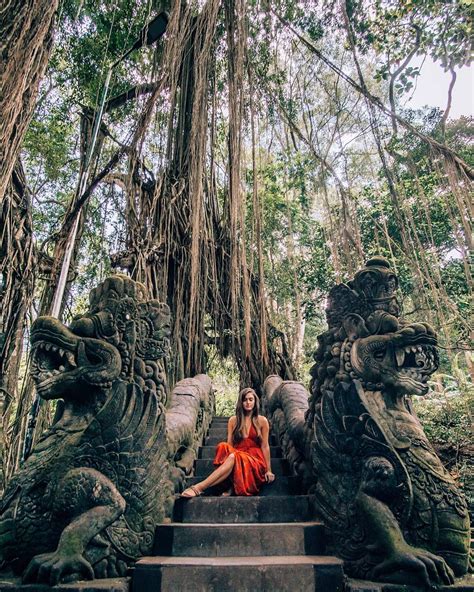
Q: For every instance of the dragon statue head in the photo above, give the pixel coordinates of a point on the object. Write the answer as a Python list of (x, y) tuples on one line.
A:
[(123, 335), (369, 342)]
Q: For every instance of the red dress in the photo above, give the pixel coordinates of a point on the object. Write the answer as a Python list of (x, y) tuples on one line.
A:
[(250, 466)]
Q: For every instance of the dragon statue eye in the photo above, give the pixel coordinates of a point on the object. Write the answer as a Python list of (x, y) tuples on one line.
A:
[(380, 354)]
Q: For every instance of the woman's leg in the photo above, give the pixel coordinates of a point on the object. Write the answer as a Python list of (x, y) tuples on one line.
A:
[(217, 476)]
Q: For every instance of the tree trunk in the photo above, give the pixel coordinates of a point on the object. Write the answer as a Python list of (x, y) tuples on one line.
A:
[(26, 31), (16, 294)]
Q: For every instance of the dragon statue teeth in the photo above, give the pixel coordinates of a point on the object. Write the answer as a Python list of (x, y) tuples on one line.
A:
[(394, 512), (86, 501)]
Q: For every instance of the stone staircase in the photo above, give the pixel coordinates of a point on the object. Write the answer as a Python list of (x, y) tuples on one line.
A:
[(239, 544)]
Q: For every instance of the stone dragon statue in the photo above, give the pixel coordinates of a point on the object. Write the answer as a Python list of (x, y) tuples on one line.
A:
[(86, 502), (394, 512)]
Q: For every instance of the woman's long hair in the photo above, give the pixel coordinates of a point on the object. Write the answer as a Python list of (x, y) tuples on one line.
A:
[(237, 434)]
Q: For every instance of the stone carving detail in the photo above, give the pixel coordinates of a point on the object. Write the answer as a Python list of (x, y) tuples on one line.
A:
[(285, 403), (86, 502), (393, 510), (188, 417)]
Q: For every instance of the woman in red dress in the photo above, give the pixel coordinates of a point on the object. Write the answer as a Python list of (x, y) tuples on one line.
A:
[(244, 460)]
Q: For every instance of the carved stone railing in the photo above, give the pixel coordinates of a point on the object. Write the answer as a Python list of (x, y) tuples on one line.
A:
[(187, 421), (285, 403)]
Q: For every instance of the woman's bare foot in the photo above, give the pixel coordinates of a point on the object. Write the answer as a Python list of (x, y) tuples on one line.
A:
[(227, 493), (191, 491)]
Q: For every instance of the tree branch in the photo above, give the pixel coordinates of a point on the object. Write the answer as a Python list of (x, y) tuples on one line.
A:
[(131, 93), (76, 207), (398, 71), (450, 100), (448, 152)]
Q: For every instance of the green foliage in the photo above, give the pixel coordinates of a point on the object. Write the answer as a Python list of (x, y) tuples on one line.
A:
[(49, 139), (425, 208), (439, 29), (296, 193), (446, 416), (225, 380), (91, 36)]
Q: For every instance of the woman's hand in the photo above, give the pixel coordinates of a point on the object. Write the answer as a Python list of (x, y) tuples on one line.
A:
[(269, 477)]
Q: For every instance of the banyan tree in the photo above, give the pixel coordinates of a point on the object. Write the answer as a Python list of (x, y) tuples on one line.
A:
[(181, 181)]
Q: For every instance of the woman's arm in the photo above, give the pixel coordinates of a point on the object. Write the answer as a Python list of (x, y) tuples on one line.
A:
[(230, 429), (265, 428)]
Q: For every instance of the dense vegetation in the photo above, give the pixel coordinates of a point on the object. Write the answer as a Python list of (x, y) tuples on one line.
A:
[(245, 163)]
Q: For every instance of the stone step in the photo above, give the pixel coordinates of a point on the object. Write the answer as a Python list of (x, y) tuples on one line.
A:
[(465, 584), (219, 432), (283, 485), (233, 509), (13, 584), (242, 574), (210, 452), (239, 540), (204, 467), (212, 440), (218, 420)]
